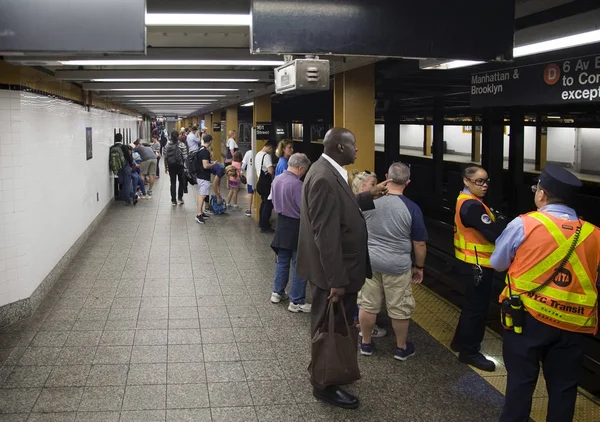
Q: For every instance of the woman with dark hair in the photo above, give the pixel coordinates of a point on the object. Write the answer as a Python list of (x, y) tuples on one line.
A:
[(475, 232), (176, 153)]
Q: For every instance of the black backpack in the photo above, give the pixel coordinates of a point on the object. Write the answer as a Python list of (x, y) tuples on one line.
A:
[(265, 179), (174, 156)]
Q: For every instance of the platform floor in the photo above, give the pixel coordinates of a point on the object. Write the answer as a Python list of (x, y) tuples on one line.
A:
[(160, 318)]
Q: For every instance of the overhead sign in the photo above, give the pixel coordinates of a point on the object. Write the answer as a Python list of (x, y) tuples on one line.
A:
[(263, 131), (216, 127), (561, 82)]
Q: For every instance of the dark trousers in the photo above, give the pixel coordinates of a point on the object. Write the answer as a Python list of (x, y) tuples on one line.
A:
[(158, 166), (319, 310), (176, 174), (264, 213), (561, 355), (471, 324)]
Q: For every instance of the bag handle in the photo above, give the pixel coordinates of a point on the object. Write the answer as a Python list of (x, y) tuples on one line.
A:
[(330, 312)]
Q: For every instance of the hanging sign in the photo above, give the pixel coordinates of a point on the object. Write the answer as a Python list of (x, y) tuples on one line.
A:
[(263, 131)]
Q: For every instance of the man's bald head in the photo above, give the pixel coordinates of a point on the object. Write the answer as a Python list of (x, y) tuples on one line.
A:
[(340, 144)]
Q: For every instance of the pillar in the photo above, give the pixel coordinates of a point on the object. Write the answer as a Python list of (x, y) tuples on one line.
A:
[(427, 136), (492, 158), (217, 116), (354, 109), (261, 113), (208, 122), (541, 144), (516, 157), (391, 139), (438, 147), (232, 122), (475, 144)]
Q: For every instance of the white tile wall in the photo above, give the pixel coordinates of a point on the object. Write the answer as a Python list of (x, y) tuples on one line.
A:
[(47, 188)]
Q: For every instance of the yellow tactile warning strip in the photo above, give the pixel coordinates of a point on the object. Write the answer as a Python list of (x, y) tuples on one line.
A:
[(439, 318)]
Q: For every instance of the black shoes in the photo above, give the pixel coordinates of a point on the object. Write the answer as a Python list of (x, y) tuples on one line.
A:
[(267, 230), (336, 397), (478, 361)]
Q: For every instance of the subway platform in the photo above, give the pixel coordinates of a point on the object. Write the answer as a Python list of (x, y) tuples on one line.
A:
[(160, 318)]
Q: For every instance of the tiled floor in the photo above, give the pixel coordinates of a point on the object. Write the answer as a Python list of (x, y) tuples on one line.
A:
[(159, 318)]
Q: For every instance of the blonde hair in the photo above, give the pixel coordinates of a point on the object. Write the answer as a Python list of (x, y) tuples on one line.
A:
[(358, 178), (282, 146), (231, 133), (230, 169)]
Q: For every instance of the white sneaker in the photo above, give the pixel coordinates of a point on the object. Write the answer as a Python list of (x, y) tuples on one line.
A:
[(376, 333), (299, 308), (276, 297)]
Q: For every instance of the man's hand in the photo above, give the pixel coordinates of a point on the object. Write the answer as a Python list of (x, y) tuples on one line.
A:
[(380, 189), (417, 275), (336, 293)]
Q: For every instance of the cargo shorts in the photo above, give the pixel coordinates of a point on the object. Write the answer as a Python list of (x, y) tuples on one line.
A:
[(397, 291)]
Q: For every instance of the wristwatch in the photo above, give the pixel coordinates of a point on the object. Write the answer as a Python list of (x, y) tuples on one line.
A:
[(418, 267)]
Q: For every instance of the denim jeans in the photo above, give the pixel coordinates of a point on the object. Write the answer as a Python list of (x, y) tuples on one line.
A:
[(282, 270), (125, 181), (138, 181)]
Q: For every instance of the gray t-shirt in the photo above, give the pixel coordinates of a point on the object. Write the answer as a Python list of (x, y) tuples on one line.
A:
[(393, 225), (145, 152)]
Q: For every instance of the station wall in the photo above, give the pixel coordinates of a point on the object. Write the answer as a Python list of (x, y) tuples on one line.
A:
[(49, 192)]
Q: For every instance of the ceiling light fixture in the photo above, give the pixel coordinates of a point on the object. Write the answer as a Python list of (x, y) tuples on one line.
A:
[(173, 101), (562, 43), (553, 117), (173, 96), (196, 19), (173, 80), (151, 62), (173, 89), (250, 104)]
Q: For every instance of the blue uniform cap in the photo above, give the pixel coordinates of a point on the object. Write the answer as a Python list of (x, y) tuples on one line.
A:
[(559, 181)]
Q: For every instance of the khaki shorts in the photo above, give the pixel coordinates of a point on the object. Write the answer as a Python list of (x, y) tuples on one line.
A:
[(397, 290), (148, 167)]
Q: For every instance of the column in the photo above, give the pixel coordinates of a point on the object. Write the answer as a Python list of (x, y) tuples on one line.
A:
[(217, 116), (262, 114), (427, 136), (208, 122), (391, 139), (354, 109), (438, 147), (475, 143), (516, 157), (541, 144), (232, 122), (492, 158)]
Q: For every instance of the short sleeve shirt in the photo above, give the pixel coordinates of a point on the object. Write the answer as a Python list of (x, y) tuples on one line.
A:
[(393, 225), (231, 144), (268, 162), (247, 165), (203, 154)]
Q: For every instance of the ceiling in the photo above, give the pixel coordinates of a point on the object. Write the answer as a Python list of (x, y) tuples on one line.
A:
[(155, 88)]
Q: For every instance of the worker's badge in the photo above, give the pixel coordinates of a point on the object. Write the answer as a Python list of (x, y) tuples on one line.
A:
[(486, 219), (563, 277)]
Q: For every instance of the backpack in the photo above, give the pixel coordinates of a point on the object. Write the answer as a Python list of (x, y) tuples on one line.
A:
[(174, 155), (116, 159), (216, 207), (263, 186)]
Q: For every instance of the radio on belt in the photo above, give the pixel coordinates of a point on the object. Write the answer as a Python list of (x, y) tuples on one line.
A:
[(302, 75)]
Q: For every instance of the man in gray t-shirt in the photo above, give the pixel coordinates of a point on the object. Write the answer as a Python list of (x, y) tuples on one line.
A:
[(396, 228)]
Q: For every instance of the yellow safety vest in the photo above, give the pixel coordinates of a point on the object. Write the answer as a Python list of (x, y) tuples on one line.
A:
[(468, 240)]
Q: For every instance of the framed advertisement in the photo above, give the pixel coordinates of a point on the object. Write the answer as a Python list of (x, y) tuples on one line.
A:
[(88, 143)]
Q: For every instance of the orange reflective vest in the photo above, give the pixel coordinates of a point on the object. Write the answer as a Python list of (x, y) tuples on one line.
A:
[(570, 302), (469, 242)]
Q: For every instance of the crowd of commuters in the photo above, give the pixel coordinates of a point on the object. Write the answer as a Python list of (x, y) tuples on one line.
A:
[(363, 245)]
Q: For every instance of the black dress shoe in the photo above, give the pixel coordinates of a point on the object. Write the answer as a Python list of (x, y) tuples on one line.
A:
[(336, 397), (478, 361), (455, 347)]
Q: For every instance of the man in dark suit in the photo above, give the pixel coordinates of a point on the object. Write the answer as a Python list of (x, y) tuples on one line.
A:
[(332, 246)]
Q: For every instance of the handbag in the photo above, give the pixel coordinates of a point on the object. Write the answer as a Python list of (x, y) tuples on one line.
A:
[(243, 179), (333, 358), (263, 186)]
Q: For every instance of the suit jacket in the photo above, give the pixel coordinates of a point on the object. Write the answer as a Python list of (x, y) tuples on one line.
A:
[(332, 246)]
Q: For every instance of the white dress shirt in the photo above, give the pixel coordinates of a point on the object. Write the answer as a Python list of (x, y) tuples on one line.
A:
[(341, 170)]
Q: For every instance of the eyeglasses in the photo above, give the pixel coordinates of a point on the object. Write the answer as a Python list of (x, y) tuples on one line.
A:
[(480, 182)]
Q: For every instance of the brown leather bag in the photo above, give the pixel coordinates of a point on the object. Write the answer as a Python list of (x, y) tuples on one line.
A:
[(334, 360)]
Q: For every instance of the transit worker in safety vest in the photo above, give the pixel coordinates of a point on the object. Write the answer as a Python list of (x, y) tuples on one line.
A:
[(552, 258), (475, 231)]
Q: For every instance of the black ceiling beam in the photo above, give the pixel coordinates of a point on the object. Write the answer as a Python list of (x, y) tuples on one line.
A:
[(573, 8)]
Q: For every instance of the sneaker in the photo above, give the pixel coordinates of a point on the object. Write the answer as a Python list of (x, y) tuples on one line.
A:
[(248, 213), (199, 219), (174, 203), (135, 199), (267, 230), (403, 354), (150, 192), (144, 196), (377, 332), (366, 349), (478, 361), (276, 297), (180, 201), (299, 308), (205, 215)]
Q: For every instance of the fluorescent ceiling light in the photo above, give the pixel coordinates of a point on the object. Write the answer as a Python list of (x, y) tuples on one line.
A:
[(558, 44), (173, 89), (173, 80), (196, 19), (151, 62), (174, 96), (562, 43), (173, 101), (553, 117), (250, 104)]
